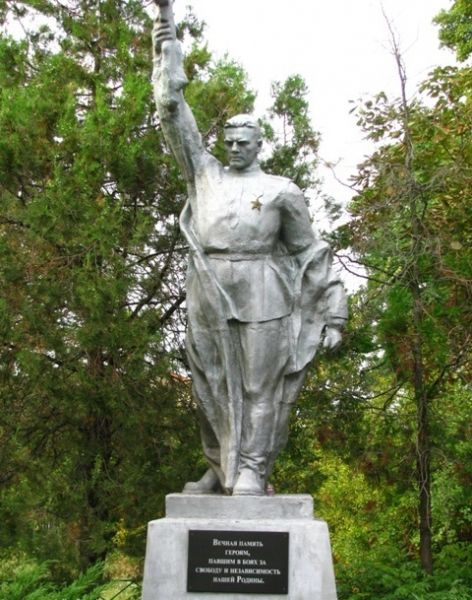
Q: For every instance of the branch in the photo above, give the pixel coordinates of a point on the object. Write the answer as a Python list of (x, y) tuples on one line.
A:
[(331, 167), (358, 274), (431, 391), (148, 257), (364, 264), (171, 310), (158, 279), (14, 222)]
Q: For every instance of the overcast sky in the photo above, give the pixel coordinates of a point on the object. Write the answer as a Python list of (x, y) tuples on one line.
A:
[(340, 47)]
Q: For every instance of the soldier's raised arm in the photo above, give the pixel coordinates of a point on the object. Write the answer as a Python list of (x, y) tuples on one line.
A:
[(169, 80)]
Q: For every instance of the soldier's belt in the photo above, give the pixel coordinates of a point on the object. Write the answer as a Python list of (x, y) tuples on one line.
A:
[(238, 256)]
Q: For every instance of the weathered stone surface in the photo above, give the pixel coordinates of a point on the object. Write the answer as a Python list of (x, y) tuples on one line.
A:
[(295, 506)]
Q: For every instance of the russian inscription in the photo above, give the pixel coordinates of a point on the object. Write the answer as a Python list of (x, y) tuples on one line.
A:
[(253, 562)]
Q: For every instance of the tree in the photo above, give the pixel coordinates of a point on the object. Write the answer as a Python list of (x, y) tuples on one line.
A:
[(294, 143), (455, 28), (408, 229)]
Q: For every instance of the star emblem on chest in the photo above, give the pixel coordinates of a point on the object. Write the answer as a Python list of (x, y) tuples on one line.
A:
[(257, 204)]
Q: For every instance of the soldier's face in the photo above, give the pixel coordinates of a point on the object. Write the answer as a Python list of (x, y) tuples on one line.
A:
[(242, 145)]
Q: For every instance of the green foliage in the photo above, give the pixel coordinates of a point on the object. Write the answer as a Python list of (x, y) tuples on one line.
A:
[(436, 188), (30, 581), (452, 485), (221, 95), (455, 28), (288, 129), (22, 579), (394, 578)]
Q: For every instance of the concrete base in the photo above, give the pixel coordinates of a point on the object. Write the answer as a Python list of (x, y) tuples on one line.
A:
[(311, 575)]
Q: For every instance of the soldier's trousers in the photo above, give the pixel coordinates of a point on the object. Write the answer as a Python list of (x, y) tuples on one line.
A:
[(259, 356)]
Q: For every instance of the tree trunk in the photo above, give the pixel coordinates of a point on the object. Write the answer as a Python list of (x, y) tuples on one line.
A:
[(423, 461), (424, 484)]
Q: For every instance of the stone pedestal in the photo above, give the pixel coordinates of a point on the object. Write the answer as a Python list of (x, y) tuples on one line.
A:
[(310, 569)]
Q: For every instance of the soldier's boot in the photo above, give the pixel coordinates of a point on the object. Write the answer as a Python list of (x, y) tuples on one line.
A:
[(255, 449), (249, 483), (208, 484)]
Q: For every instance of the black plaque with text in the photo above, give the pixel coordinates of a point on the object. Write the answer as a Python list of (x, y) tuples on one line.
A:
[(255, 562)]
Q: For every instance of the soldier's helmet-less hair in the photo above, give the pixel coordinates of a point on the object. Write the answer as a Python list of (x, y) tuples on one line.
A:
[(244, 120)]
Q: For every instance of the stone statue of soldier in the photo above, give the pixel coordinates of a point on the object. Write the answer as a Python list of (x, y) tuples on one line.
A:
[(261, 293)]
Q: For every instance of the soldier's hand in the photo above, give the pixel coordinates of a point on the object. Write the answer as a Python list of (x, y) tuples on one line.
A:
[(332, 338), (163, 29)]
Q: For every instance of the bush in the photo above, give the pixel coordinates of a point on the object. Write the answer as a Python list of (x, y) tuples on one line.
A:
[(26, 580), (452, 578)]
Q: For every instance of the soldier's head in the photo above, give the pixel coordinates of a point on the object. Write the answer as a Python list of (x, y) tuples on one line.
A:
[(243, 140)]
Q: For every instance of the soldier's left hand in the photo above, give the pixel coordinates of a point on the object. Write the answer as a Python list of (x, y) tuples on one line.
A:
[(332, 338)]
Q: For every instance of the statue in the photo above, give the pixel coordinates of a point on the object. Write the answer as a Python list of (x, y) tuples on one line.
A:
[(261, 294)]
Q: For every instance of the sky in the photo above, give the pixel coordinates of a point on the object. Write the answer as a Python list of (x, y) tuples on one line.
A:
[(340, 47), (342, 50)]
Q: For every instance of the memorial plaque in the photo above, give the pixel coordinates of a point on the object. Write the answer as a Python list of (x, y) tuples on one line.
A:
[(252, 562)]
